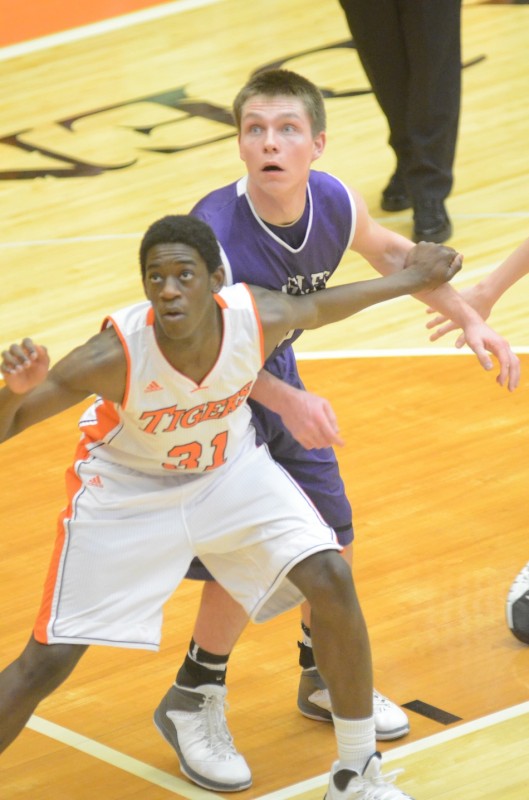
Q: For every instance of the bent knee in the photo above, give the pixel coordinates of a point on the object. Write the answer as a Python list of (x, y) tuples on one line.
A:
[(45, 665), (325, 579)]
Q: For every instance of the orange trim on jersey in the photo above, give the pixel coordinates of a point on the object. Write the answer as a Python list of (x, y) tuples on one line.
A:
[(259, 323), (220, 301), (73, 484), (150, 316), (109, 321), (107, 419)]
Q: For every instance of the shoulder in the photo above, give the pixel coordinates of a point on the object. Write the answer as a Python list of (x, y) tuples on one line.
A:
[(98, 366), (131, 318), (236, 295), (270, 305), (326, 183), (331, 193), (336, 204), (217, 201)]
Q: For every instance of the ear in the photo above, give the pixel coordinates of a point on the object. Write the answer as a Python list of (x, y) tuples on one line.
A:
[(217, 279), (319, 145)]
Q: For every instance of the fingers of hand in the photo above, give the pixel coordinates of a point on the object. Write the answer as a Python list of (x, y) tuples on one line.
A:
[(456, 264), (509, 374), (19, 357), (509, 371), (442, 330)]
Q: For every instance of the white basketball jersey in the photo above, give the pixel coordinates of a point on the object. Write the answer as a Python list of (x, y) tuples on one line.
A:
[(168, 422)]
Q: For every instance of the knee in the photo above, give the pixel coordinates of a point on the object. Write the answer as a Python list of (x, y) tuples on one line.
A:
[(45, 667), (326, 581)]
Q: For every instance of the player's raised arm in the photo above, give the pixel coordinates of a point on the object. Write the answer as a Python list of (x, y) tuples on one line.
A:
[(485, 294), (33, 392), (428, 266)]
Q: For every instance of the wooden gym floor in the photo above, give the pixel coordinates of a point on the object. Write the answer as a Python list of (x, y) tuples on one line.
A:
[(98, 139)]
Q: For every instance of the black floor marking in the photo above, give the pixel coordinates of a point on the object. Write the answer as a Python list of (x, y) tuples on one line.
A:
[(437, 714)]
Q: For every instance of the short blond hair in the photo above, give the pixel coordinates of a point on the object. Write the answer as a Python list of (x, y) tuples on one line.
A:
[(283, 83)]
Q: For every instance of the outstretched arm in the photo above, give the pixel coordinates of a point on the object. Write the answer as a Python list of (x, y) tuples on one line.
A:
[(309, 418), (486, 293), (33, 392), (386, 251), (428, 265)]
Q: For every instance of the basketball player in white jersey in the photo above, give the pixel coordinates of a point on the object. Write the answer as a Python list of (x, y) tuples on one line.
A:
[(286, 226), (167, 469)]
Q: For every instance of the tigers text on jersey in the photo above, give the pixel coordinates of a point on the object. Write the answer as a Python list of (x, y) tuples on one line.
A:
[(166, 421)]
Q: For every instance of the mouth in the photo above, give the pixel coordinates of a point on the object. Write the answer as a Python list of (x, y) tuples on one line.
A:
[(172, 313), (272, 168)]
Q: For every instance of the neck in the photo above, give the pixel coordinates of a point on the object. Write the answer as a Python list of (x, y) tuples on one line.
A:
[(278, 210), (194, 356)]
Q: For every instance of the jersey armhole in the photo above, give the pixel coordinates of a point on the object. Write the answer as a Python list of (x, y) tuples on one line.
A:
[(109, 322), (257, 322)]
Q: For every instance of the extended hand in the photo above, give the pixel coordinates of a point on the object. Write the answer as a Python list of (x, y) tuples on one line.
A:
[(311, 421), (433, 264), (475, 297), (484, 340), (24, 366)]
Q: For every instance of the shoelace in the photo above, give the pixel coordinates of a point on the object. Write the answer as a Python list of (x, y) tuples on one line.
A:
[(381, 787), (212, 727), (380, 702)]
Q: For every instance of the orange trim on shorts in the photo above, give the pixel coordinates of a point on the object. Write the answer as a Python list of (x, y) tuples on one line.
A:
[(73, 484)]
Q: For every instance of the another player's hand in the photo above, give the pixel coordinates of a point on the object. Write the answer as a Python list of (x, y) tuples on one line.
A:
[(311, 421), (475, 298), (24, 366), (433, 264), (484, 340)]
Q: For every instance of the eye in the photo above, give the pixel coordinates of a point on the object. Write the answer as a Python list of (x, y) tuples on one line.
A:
[(289, 128), (186, 274), (154, 277)]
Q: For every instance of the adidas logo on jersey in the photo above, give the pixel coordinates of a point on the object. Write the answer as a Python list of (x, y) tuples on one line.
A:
[(96, 481), (153, 387)]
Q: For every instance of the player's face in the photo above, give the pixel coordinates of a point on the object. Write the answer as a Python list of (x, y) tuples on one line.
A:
[(179, 287), (276, 142)]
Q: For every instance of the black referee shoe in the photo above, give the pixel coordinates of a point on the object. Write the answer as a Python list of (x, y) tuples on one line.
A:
[(431, 223), (394, 196)]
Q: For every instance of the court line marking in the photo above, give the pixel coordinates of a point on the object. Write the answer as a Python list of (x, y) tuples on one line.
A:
[(104, 26), (412, 748), (463, 277), (397, 352), (96, 749), (119, 760), (105, 237), (177, 786)]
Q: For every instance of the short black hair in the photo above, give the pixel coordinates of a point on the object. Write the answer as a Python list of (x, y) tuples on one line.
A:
[(184, 229), (283, 83)]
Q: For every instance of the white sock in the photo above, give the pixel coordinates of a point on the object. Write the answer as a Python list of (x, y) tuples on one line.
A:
[(356, 742)]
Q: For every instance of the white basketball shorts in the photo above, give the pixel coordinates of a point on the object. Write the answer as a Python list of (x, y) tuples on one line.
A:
[(126, 540)]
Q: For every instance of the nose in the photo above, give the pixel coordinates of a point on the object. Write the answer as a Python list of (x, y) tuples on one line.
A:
[(171, 287), (270, 142)]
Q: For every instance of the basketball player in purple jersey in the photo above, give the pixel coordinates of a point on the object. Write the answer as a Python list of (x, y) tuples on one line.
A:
[(286, 227)]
